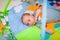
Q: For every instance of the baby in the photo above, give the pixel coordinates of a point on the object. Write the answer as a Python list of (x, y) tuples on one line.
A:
[(31, 19)]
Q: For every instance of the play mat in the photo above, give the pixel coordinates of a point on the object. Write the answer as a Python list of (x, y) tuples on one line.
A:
[(12, 28)]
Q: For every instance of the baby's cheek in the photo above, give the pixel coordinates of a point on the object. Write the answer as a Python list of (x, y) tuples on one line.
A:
[(31, 23)]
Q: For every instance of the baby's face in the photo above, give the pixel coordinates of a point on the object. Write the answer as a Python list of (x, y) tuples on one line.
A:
[(29, 20)]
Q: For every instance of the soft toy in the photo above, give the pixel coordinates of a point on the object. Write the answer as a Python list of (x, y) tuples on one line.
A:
[(56, 3), (1, 27), (34, 7)]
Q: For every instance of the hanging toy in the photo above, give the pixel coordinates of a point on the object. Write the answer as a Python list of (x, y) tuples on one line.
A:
[(1, 27), (5, 36), (57, 5), (52, 2), (4, 20), (55, 2), (37, 3)]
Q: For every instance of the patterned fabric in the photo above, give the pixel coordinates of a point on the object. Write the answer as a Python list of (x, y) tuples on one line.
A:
[(15, 20), (5, 32)]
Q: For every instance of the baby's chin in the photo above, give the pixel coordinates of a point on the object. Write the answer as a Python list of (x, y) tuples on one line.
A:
[(31, 24)]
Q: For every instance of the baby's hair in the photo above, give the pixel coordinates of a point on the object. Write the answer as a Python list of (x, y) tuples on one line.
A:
[(25, 14)]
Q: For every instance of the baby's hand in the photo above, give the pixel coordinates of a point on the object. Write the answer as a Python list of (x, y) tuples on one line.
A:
[(38, 11), (50, 31)]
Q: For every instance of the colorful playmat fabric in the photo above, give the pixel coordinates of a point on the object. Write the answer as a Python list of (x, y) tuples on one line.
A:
[(5, 32), (12, 28), (20, 30)]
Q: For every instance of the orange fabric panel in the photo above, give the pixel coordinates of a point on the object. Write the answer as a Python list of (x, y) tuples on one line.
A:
[(32, 8), (50, 25)]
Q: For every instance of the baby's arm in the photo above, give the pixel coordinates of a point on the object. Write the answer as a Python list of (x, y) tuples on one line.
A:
[(37, 14), (50, 31)]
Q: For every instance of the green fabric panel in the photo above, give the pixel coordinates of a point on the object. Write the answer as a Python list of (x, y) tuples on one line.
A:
[(32, 33), (56, 35)]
